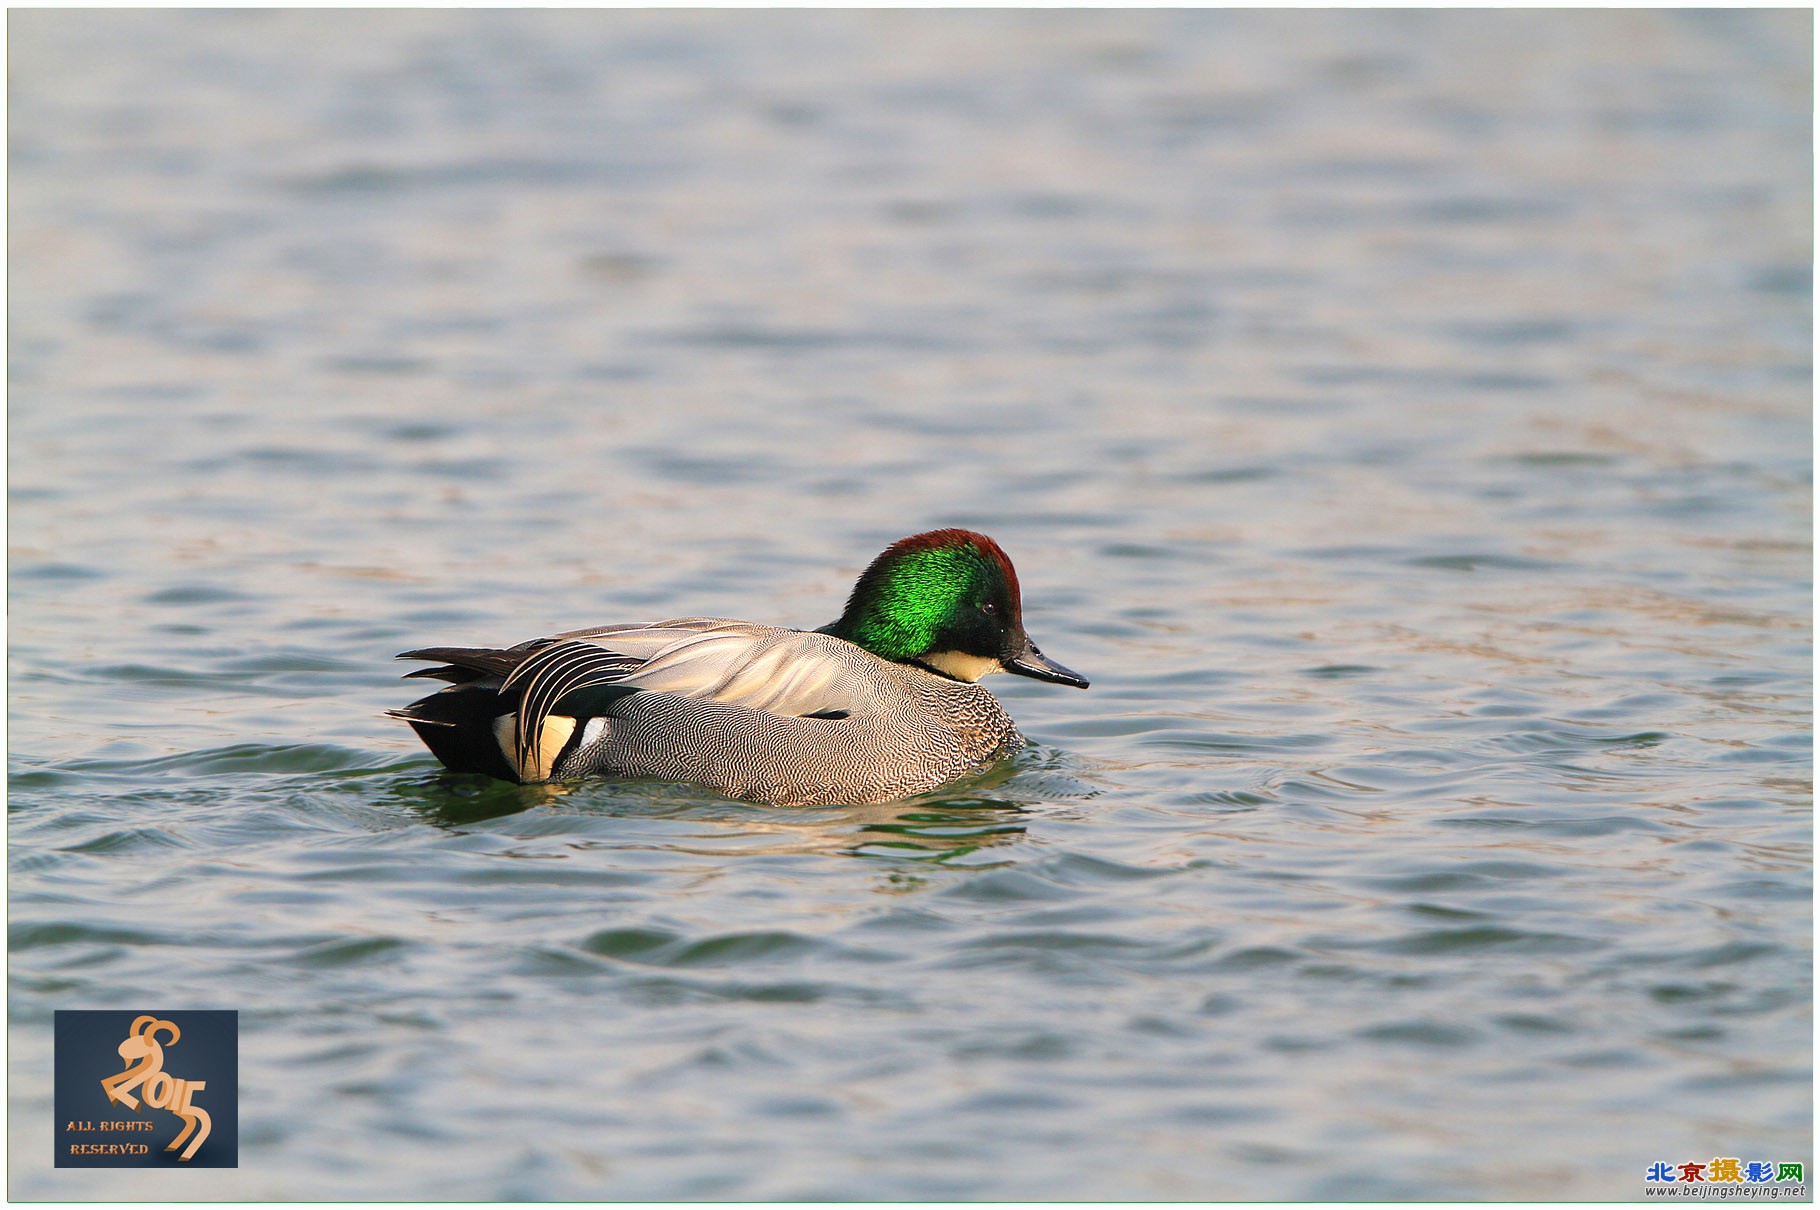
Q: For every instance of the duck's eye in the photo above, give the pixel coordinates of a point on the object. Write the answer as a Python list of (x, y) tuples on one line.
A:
[(989, 609)]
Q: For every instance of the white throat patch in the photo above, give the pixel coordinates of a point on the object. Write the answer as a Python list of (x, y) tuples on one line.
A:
[(961, 666)]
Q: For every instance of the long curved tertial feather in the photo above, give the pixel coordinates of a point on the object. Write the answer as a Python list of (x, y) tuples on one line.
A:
[(545, 680)]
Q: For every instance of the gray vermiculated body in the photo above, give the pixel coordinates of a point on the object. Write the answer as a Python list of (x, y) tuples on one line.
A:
[(907, 731)]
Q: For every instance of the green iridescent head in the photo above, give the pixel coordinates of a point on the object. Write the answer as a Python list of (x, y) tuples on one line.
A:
[(949, 601)]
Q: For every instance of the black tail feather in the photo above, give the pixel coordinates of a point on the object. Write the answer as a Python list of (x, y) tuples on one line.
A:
[(489, 661), (450, 673), (456, 724)]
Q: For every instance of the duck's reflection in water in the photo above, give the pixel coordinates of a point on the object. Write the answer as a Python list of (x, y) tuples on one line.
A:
[(452, 800), (958, 823), (939, 832)]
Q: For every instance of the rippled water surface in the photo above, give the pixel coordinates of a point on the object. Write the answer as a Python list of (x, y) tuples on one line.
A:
[(1402, 418)]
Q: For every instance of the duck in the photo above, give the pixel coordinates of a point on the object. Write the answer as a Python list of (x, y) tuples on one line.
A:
[(880, 704)]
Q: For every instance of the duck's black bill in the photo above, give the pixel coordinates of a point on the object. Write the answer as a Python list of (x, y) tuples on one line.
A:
[(1034, 664)]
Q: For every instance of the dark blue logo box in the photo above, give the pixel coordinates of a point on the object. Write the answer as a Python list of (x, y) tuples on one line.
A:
[(175, 1080)]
